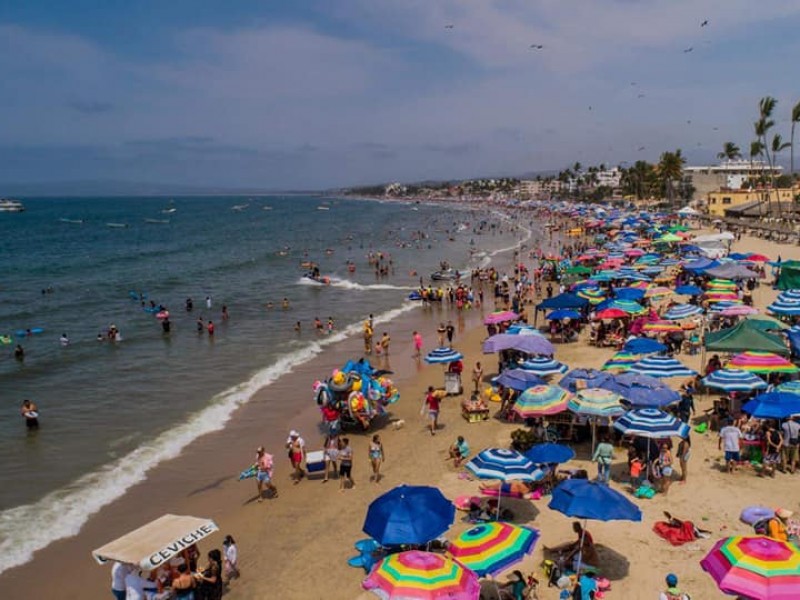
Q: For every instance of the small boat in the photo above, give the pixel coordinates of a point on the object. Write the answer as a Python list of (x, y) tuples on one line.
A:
[(444, 275), (157, 221), (414, 208), (72, 221), (323, 207), (168, 211), (240, 207), (117, 225), (9, 205), (318, 279)]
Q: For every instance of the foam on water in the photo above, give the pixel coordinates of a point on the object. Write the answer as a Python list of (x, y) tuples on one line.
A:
[(62, 513), (352, 285)]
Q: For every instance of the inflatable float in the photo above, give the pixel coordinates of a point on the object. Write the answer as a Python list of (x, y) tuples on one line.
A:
[(5, 340), (137, 296), (26, 332), (752, 514)]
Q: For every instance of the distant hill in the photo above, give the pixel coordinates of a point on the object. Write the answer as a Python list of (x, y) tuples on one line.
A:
[(131, 188)]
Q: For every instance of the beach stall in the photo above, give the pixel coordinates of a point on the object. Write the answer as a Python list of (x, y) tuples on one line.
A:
[(453, 360)]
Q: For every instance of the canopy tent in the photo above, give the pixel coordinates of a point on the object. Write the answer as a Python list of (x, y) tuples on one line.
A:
[(155, 543), (565, 300), (742, 337), (789, 276), (731, 271)]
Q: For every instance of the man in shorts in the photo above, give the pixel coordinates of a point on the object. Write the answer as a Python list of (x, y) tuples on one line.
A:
[(729, 437), (264, 474), (791, 444), (432, 402)]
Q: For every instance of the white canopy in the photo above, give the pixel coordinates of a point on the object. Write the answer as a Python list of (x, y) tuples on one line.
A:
[(688, 211), (725, 236), (155, 543)]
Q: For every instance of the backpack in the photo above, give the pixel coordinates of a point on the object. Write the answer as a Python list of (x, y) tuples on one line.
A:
[(761, 527), (552, 571)]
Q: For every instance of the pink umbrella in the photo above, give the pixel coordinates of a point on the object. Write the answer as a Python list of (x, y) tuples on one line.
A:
[(499, 316), (739, 310)]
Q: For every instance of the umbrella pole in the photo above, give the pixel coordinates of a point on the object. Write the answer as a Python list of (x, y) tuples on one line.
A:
[(580, 549)]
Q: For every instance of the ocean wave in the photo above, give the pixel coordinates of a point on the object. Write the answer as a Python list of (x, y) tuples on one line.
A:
[(346, 284), (62, 513)]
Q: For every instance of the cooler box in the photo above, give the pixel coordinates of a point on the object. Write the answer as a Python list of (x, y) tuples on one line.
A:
[(315, 461), (452, 383)]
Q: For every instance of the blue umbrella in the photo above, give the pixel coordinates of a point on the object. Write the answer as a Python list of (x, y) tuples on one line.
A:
[(584, 499), (409, 515), (662, 367), (443, 355), (564, 313), (785, 307), (790, 387), (734, 380), (506, 465), (588, 378), (650, 423), (629, 294), (642, 390), (547, 454), (688, 290), (544, 365), (643, 346), (530, 344), (518, 379), (773, 405), (682, 311), (523, 330)]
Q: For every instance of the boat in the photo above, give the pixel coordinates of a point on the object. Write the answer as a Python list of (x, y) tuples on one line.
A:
[(444, 275), (9, 205), (72, 221), (157, 221), (240, 207), (317, 279), (117, 225), (168, 211), (323, 207)]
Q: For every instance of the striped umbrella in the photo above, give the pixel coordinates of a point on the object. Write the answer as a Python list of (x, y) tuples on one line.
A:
[(721, 284), (544, 366), (720, 296), (790, 295), (738, 310), (593, 295), (658, 292), (596, 402), (790, 387), (443, 355), (541, 400), (785, 307), (621, 361), (650, 423), (505, 465), (629, 306), (661, 327), (723, 305), (417, 575), (661, 367), (755, 567), (734, 380), (682, 311), (761, 362), (489, 548)]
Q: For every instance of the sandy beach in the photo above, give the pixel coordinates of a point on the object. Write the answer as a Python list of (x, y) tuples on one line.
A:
[(296, 546)]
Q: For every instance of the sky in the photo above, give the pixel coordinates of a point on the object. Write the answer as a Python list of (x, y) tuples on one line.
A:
[(314, 94)]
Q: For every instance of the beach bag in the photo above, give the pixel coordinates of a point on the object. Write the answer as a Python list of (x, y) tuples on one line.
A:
[(761, 527), (552, 571), (644, 491)]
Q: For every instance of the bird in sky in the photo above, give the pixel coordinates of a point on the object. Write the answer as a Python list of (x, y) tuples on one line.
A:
[(689, 121), (689, 49), (704, 23), (537, 46), (640, 96), (633, 83), (448, 26), (716, 128), (641, 148)]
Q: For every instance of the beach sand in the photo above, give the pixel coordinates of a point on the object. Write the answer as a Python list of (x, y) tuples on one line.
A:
[(296, 546)]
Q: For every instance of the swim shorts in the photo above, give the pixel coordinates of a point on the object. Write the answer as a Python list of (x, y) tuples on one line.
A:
[(732, 456)]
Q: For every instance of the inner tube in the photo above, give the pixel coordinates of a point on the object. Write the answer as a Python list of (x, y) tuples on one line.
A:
[(752, 514), (31, 331), (415, 296), (164, 314), (340, 387)]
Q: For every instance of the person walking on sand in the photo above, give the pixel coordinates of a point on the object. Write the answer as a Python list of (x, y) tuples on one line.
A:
[(345, 464), (672, 592), (385, 341), (297, 454), (264, 465), (331, 449), (730, 436), (477, 376), (791, 444), (376, 457), (603, 456), (433, 403), (684, 452), (230, 568), (417, 344), (441, 331), (367, 338), (450, 330)]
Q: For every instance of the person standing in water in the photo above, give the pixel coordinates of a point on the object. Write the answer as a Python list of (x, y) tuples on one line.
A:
[(417, 344), (210, 328), (30, 412), (189, 305), (166, 325), (19, 353), (225, 314), (64, 340), (201, 327), (208, 302), (385, 341)]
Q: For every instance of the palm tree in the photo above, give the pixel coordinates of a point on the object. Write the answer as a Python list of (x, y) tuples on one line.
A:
[(795, 119), (730, 151), (670, 168), (766, 106), (757, 149)]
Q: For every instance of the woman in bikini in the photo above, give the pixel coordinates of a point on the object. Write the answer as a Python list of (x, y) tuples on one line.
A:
[(376, 457)]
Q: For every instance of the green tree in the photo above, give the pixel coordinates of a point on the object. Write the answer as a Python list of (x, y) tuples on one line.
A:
[(730, 151), (670, 169), (795, 120), (766, 106)]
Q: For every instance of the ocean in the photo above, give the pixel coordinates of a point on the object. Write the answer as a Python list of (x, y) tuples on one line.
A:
[(110, 411)]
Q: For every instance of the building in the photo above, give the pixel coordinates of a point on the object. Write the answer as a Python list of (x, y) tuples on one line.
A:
[(730, 174), (539, 188), (608, 178), (718, 202)]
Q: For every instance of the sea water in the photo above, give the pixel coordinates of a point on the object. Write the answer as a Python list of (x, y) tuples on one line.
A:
[(110, 411)]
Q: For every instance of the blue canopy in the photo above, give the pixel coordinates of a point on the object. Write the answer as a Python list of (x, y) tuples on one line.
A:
[(409, 515), (643, 346), (563, 313), (688, 290), (701, 264), (565, 300), (628, 294), (586, 499), (591, 378), (519, 379), (642, 391), (542, 454), (773, 405)]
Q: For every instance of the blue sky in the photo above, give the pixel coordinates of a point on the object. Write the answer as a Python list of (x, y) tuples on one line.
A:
[(334, 92)]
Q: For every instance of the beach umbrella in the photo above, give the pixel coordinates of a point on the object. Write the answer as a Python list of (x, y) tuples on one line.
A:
[(505, 465), (489, 548), (629, 306), (544, 366), (596, 402), (713, 297), (755, 567), (642, 391), (658, 292), (718, 307), (549, 454), (790, 387), (688, 290), (409, 515), (417, 575), (739, 310), (621, 361), (530, 344), (790, 295), (650, 423), (518, 379), (629, 293), (682, 311), (661, 367), (611, 313), (499, 316), (761, 362), (541, 400), (523, 330), (584, 378), (584, 499), (564, 313), (721, 284), (734, 380), (785, 307), (643, 345), (593, 295), (443, 355), (661, 327), (773, 405)]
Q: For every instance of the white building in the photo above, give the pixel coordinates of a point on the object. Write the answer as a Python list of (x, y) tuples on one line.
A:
[(730, 174)]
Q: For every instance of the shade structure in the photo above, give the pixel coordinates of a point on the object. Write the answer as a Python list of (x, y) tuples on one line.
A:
[(593, 295), (661, 327), (755, 567), (443, 355), (773, 405), (621, 361), (661, 367), (563, 313), (688, 290), (489, 548), (682, 311), (548, 454), (541, 400), (629, 293), (544, 366), (643, 346), (734, 380), (518, 379), (530, 344), (721, 284), (629, 306), (409, 514), (739, 310), (611, 313), (505, 465), (586, 499), (658, 292), (584, 378), (650, 423), (789, 295), (596, 402), (523, 330), (642, 391), (499, 316), (417, 575), (785, 307), (761, 362), (790, 387)]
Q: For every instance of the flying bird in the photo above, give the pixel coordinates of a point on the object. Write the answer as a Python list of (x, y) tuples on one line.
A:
[(689, 49), (716, 128), (633, 83), (448, 26), (640, 96), (537, 46), (704, 23), (641, 148)]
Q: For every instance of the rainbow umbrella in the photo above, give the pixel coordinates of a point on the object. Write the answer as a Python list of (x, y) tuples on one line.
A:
[(658, 292), (761, 362), (499, 316), (721, 296), (621, 361), (661, 327), (489, 548), (596, 402), (721, 284), (593, 295), (541, 400), (417, 575), (629, 306), (755, 567)]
